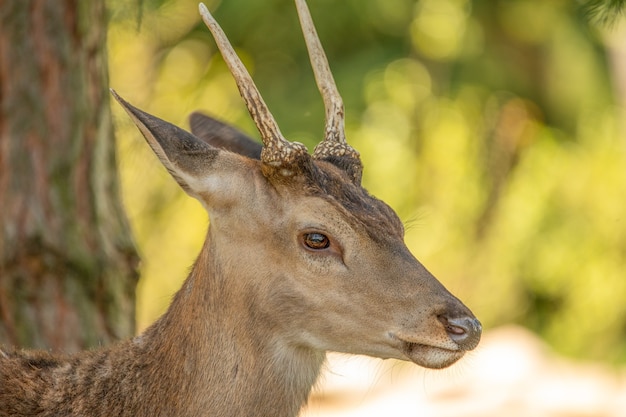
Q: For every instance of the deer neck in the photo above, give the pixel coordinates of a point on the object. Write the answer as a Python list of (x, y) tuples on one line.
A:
[(223, 358)]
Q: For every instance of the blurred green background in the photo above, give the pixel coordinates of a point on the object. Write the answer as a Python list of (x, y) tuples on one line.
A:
[(494, 128)]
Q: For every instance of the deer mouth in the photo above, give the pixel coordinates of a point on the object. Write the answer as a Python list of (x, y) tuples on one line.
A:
[(429, 356), (463, 334)]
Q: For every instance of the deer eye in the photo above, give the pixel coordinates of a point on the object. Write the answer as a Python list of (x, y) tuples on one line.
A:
[(316, 241)]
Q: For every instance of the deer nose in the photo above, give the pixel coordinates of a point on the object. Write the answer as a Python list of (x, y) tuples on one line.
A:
[(465, 331)]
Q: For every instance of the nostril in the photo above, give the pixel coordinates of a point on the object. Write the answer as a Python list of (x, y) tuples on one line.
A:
[(465, 331)]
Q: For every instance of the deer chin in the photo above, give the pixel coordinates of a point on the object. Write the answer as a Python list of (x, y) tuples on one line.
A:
[(428, 356)]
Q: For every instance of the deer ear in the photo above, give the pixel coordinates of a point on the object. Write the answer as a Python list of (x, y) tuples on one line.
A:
[(224, 136), (188, 159)]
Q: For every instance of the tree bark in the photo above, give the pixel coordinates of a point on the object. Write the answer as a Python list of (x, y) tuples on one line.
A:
[(67, 261)]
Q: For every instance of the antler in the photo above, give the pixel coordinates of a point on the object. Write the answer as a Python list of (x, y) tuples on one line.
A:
[(277, 150), (334, 143)]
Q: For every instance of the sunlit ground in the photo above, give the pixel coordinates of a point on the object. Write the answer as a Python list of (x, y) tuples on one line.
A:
[(512, 374)]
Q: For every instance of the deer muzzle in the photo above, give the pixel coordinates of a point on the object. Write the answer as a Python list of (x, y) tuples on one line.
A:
[(465, 331)]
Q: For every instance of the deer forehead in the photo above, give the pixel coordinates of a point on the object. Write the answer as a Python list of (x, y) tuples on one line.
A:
[(337, 196)]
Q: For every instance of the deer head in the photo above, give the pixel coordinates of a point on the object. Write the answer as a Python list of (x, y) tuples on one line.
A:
[(296, 245)]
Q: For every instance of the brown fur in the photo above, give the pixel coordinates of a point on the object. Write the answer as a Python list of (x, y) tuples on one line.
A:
[(189, 363)]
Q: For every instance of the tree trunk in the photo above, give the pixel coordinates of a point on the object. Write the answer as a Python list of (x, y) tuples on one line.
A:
[(67, 261)]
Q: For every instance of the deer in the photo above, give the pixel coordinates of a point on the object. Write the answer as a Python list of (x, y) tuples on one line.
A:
[(299, 259)]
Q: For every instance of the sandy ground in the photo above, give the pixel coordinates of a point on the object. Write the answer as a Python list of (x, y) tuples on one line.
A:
[(512, 374)]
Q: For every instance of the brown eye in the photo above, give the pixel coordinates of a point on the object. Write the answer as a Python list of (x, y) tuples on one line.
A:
[(316, 241)]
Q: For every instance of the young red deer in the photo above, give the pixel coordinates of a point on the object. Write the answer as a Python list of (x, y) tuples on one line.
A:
[(299, 259)]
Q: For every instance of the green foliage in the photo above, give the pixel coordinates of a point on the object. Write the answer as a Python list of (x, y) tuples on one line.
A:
[(492, 127), (605, 12)]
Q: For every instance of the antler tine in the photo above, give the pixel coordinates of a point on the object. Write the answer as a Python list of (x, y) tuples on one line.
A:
[(334, 143), (277, 150)]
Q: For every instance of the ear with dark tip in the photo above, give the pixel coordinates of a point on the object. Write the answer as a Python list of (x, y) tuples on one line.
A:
[(224, 136), (183, 155)]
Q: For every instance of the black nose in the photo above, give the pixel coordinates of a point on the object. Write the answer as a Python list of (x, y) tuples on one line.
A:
[(465, 331)]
